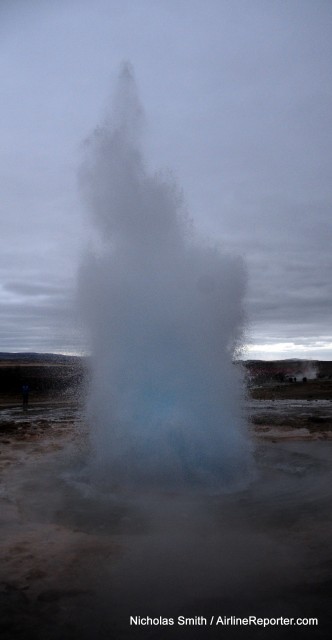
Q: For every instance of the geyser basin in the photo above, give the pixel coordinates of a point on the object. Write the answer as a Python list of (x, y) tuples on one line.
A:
[(164, 314), (77, 562)]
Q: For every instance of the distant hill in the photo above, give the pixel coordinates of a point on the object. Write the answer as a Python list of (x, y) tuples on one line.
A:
[(58, 375), (39, 358), (45, 373), (287, 367), (283, 369)]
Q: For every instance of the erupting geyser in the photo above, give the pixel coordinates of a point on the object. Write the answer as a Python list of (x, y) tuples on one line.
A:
[(164, 315)]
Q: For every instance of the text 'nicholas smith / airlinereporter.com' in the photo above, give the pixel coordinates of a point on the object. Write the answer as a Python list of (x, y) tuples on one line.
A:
[(222, 621)]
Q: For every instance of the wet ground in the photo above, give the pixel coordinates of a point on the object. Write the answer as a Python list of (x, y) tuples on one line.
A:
[(292, 418), (77, 561)]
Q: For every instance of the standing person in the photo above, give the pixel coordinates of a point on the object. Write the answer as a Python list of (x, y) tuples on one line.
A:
[(25, 395)]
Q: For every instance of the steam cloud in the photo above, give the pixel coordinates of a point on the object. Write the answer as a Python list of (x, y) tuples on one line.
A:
[(163, 309)]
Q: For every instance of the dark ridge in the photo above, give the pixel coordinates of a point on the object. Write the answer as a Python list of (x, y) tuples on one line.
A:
[(32, 357), (48, 375)]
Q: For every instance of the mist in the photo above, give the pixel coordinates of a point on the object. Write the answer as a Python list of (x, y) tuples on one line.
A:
[(163, 310)]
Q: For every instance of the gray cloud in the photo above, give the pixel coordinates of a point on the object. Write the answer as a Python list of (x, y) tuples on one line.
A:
[(34, 290), (238, 104)]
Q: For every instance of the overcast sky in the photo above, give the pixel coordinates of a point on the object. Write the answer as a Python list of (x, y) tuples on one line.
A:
[(238, 103)]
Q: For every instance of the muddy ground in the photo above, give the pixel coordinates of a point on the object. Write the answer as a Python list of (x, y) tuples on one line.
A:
[(78, 560)]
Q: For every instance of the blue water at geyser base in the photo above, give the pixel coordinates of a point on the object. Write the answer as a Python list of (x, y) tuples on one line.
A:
[(163, 309)]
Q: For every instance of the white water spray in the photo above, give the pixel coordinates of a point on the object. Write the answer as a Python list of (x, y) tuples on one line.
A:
[(164, 315)]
